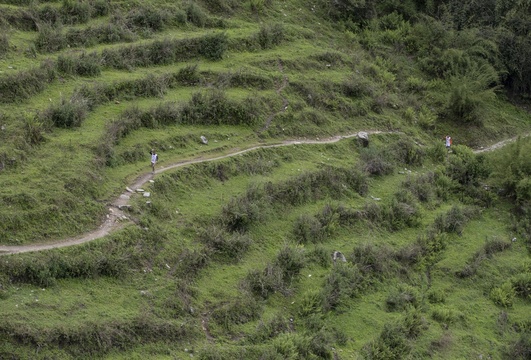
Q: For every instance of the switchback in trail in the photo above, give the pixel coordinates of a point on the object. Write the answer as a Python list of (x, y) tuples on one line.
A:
[(116, 218)]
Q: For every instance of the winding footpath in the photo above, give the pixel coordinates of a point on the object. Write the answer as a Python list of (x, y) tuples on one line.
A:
[(116, 218)]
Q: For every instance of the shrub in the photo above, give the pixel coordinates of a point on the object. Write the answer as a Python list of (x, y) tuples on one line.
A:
[(50, 39), (24, 84), (236, 311), (307, 229), (372, 260), (75, 12), (375, 162), (402, 297), (4, 44), (264, 283), (196, 15), (67, 114), (452, 222), (88, 64), (270, 35), (290, 261), (344, 282), (229, 246), (148, 18), (495, 245), (213, 46), (521, 348), (390, 344), (274, 327), (445, 314), (465, 167), (503, 295), (521, 284), (407, 152), (34, 130)]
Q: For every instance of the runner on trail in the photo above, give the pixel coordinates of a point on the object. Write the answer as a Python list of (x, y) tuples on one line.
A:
[(154, 158)]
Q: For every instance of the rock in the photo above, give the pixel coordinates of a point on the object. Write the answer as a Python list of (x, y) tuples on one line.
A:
[(204, 140), (147, 194), (129, 189), (125, 197), (375, 198), (124, 207), (140, 190), (337, 255), (363, 138), (151, 181)]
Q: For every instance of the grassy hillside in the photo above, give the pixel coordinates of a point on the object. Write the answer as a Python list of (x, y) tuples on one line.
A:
[(233, 258)]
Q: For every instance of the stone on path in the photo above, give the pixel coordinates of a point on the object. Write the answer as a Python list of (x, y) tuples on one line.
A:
[(147, 194), (204, 140)]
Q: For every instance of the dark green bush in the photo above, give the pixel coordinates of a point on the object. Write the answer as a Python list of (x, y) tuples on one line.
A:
[(344, 283), (407, 152), (371, 260), (24, 84), (50, 39), (87, 64), (453, 221), (465, 167), (264, 283), (213, 46), (272, 328), (376, 162), (148, 18), (75, 12), (196, 15), (390, 344), (236, 311), (522, 285), (4, 44), (402, 297), (521, 348), (67, 114), (308, 230), (290, 261), (270, 35), (229, 246)]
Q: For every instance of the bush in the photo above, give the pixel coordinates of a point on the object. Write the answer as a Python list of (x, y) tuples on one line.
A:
[(196, 15), (521, 348), (4, 44), (24, 84), (402, 297), (50, 39), (390, 344), (503, 295), (75, 12), (521, 284), (290, 261), (88, 64), (407, 152), (376, 162), (67, 114), (229, 246), (308, 230), (236, 311), (452, 222), (270, 35), (264, 283), (344, 283), (213, 46)]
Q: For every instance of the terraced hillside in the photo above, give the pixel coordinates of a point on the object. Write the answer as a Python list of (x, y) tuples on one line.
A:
[(315, 249)]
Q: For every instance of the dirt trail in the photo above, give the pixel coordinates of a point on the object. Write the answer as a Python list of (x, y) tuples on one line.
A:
[(116, 218)]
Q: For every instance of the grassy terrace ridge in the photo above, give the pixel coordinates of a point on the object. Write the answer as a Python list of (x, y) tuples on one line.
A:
[(284, 235)]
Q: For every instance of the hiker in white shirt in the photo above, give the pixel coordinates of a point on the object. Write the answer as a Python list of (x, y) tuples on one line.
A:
[(154, 158)]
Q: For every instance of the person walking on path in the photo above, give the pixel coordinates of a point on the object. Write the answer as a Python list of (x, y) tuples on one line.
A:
[(448, 142), (154, 159)]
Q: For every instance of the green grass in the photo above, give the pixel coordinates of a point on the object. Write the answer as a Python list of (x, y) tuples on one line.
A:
[(146, 291)]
